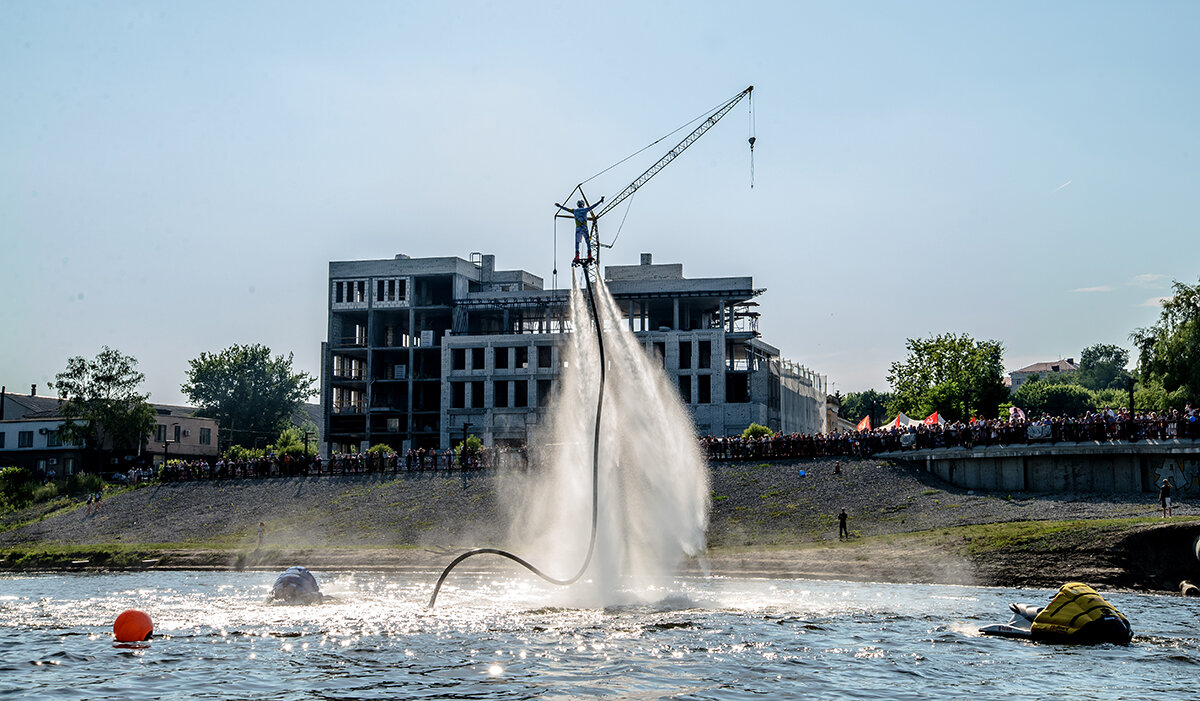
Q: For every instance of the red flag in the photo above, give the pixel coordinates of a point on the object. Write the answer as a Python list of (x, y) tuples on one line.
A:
[(932, 418), (865, 424)]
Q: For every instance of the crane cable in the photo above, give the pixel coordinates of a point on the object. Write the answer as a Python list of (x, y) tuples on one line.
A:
[(587, 560), (619, 226), (678, 129), (752, 139)]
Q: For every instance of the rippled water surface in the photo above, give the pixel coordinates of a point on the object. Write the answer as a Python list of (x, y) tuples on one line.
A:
[(503, 636)]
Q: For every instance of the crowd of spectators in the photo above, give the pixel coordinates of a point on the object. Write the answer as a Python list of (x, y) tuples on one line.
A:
[(377, 462), (1100, 427)]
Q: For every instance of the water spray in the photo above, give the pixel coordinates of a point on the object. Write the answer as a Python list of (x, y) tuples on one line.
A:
[(591, 548)]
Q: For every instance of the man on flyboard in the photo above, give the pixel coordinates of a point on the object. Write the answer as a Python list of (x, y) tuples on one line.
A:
[(581, 230)]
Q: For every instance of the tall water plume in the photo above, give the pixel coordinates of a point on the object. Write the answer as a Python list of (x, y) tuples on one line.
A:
[(653, 494)]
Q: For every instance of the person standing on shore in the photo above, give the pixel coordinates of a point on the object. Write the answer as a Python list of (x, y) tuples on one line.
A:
[(1164, 497), (843, 532)]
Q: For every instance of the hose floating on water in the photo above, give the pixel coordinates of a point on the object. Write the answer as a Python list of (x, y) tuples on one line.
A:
[(587, 560)]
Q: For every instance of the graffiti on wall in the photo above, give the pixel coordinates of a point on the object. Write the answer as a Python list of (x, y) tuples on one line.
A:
[(1184, 475)]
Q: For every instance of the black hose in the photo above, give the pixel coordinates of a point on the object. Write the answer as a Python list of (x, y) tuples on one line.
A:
[(587, 560)]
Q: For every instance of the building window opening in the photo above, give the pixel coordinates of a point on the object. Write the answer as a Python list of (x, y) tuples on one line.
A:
[(685, 388), (705, 359), (458, 395), (458, 358), (25, 439), (501, 360), (206, 436), (520, 394), (522, 357), (704, 389), (500, 394), (685, 355), (476, 358), (544, 356), (476, 395), (544, 388), (737, 388)]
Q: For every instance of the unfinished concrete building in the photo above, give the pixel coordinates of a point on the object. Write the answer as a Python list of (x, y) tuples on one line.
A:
[(423, 351)]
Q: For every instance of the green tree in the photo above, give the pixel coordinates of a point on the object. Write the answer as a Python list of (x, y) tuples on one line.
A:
[(291, 441), (1055, 398), (103, 410), (1102, 366), (467, 449), (856, 405), (247, 391), (756, 430), (955, 375), (1169, 351), (1150, 396)]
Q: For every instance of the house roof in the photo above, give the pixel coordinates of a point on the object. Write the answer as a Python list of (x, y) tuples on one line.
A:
[(26, 406), (1049, 366)]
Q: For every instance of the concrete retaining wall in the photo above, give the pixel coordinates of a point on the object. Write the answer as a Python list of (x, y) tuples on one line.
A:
[(1067, 468)]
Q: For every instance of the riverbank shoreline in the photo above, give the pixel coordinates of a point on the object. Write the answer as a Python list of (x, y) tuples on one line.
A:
[(767, 519)]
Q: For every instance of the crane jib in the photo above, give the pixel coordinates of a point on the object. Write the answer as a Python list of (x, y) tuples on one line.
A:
[(673, 153)]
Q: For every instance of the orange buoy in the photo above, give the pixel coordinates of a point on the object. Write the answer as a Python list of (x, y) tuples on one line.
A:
[(133, 626)]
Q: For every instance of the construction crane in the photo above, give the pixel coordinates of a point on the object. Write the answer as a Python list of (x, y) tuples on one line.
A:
[(594, 216)]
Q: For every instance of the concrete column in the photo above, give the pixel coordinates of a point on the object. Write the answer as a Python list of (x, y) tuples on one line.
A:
[(630, 315), (675, 310)]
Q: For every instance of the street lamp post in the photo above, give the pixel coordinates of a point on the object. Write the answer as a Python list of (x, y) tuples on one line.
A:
[(167, 444)]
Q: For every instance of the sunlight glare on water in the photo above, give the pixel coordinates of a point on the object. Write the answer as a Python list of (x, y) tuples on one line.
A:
[(499, 635)]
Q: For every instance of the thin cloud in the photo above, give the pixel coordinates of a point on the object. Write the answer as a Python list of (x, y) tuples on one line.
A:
[(1098, 288), (1147, 279), (1062, 186), (1155, 301)]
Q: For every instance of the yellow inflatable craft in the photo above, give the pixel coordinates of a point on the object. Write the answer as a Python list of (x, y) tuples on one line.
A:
[(1076, 614)]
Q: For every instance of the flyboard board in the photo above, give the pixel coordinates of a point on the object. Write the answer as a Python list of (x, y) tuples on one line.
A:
[(1007, 630)]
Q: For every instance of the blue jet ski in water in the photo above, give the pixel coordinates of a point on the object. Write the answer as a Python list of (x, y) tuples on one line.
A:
[(1076, 614), (296, 586)]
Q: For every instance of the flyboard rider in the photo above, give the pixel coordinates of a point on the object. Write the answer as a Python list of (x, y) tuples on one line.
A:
[(581, 213)]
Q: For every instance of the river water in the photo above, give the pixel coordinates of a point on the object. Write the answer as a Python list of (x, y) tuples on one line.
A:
[(505, 635)]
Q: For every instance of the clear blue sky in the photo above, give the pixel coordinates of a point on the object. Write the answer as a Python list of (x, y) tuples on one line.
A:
[(175, 177)]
